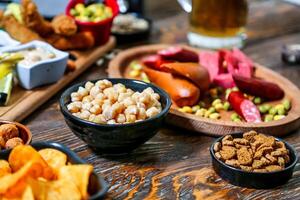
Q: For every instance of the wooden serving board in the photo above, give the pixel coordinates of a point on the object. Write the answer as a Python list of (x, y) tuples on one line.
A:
[(24, 102), (118, 67)]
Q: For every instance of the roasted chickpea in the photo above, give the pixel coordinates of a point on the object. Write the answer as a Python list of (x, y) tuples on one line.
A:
[(105, 103)]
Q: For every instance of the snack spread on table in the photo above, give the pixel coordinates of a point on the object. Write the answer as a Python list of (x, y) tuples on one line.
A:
[(9, 136), (105, 103), (254, 152), (46, 174), (211, 83), (92, 13)]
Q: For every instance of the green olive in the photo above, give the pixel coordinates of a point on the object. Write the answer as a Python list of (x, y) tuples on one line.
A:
[(214, 116), (268, 118), (216, 101), (80, 8), (257, 100), (234, 116), (201, 112), (272, 111), (278, 117), (226, 106), (195, 108), (212, 110), (287, 104), (263, 109), (219, 107), (237, 120)]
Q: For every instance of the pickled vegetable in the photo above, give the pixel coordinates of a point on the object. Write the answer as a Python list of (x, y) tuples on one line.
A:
[(93, 13)]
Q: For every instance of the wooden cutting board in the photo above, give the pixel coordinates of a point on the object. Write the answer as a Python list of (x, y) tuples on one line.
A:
[(118, 68), (24, 102)]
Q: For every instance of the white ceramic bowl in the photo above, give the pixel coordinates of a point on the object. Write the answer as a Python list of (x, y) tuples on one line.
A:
[(42, 72)]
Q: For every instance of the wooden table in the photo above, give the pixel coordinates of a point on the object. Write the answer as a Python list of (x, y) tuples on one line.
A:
[(176, 163)]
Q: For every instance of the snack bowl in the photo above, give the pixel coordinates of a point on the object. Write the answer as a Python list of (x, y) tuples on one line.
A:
[(24, 133), (41, 72), (100, 30), (97, 186), (257, 180), (129, 37), (116, 138)]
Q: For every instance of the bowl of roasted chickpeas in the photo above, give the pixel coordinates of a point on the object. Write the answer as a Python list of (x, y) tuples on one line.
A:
[(114, 115), (13, 134)]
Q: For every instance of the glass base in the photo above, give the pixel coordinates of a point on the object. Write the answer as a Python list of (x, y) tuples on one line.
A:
[(216, 42)]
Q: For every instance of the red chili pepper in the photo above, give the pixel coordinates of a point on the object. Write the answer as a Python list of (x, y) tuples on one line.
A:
[(258, 87), (244, 107)]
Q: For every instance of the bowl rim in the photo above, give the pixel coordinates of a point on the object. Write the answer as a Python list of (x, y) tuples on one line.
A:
[(290, 147), (67, 92), (70, 154)]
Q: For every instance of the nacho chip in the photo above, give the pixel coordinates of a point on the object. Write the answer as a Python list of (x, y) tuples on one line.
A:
[(13, 185), (22, 154), (78, 174), (54, 158), (59, 190), (4, 168)]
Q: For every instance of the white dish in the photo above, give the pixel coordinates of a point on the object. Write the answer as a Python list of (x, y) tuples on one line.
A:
[(42, 72)]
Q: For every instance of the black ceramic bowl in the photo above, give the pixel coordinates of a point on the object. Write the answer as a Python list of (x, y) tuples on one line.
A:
[(256, 180), (116, 138), (124, 38), (97, 187)]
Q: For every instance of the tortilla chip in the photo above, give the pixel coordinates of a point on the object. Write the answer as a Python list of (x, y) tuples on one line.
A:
[(13, 185), (22, 154), (54, 158), (4, 168), (54, 190), (78, 174)]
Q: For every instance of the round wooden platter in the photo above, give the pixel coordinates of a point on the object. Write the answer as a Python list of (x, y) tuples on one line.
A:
[(118, 68)]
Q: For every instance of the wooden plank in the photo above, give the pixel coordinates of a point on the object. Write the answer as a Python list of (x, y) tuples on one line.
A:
[(24, 102)]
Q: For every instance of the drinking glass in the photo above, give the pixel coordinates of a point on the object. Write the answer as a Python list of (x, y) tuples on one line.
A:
[(216, 23)]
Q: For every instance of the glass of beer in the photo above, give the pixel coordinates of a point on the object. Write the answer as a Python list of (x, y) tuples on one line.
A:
[(216, 23)]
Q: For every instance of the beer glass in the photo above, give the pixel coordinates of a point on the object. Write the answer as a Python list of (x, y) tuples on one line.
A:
[(216, 23)]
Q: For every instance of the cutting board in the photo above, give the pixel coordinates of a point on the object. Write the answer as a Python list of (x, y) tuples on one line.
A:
[(118, 68), (24, 102)]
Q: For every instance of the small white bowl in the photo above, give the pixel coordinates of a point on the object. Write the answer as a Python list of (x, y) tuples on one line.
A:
[(42, 72)]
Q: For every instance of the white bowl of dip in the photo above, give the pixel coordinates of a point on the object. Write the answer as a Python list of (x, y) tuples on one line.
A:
[(42, 64)]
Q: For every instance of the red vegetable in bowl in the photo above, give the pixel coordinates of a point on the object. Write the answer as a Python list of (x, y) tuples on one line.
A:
[(244, 107), (179, 54), (258, 87)]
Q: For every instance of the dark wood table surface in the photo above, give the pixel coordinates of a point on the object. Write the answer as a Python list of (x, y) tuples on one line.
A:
[(176, 163)]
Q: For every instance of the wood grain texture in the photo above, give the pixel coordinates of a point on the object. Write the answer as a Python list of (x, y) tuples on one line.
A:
[(176, 163), (118, 68), (23, 102)]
